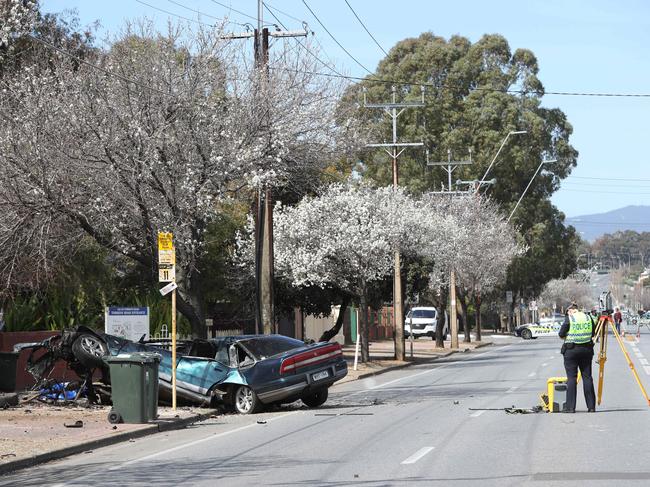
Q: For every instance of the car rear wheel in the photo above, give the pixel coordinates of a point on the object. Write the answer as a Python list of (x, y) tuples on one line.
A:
[(89, 350), (316, 399), (246, 401), (526, 334)]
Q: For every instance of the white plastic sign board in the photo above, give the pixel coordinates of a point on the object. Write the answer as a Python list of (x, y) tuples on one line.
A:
[(129, 323), (168, 288)]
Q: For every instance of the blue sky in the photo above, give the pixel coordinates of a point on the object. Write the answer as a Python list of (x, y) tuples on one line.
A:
[(582, 46)]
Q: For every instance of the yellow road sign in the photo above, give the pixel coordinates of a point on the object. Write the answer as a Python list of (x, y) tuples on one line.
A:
[(165, 241)]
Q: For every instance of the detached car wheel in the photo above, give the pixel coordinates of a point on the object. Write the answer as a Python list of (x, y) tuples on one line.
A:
[(246, 401), (526, 334), (316, 399), (89, 350)]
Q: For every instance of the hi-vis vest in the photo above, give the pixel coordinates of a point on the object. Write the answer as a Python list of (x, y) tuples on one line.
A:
[(579, 328)]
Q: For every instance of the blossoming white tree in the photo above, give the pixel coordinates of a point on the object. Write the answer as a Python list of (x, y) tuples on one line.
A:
[(346, 237), (489, 246), (16, 18), (153, 138)]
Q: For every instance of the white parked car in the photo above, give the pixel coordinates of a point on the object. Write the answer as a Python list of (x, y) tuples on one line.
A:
[(424, 323)]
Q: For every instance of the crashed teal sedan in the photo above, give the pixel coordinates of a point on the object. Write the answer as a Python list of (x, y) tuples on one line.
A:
[(246, 372)]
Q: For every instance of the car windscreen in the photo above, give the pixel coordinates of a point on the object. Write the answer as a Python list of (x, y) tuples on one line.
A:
[(269, 346), (423, 313)]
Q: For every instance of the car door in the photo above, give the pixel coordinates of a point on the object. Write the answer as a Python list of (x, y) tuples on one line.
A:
[(199, 374)]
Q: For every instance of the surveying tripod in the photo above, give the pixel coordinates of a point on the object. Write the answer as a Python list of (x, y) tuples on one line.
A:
[(604, 321)]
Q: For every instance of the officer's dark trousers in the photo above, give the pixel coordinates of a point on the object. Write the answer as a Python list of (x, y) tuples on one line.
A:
[(579, 357)]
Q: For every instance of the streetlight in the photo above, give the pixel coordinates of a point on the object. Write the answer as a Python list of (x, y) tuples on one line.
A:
[(529, 183), (512, 132)]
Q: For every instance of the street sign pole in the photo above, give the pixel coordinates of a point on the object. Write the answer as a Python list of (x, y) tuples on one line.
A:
[(174, 350), (167, 273)]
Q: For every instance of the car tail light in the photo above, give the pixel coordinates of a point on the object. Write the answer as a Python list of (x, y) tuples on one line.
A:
[(310, 357)]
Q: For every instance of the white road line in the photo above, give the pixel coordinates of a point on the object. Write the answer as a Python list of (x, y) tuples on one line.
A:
[(544, 364), (644, 361), (512, 389), (532, 374), (647, 369), (638, 354), (476, 414), (418, 455)]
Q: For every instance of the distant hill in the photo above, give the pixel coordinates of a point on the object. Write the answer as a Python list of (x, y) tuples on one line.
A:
[(591, 227)]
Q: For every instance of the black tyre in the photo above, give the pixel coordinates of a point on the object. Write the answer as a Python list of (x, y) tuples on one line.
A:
[(316, 399), (114, 417), (246, 401), (89, 350), (526, 334)]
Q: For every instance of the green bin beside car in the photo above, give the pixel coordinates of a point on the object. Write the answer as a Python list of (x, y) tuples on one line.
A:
[(134, 387)]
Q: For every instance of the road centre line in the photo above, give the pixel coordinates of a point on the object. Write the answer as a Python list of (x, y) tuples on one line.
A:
[(418, 455), (644, 361), (532, 374), (544, 364), (477, 413), (512, 389), (647, 369)]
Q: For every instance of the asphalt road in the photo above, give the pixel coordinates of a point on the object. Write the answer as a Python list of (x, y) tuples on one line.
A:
[(409, 427)]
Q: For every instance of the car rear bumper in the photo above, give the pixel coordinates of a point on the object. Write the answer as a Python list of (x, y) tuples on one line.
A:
[(303, 383)]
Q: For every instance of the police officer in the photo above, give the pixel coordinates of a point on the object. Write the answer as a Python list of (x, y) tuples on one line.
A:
[(578, 350)]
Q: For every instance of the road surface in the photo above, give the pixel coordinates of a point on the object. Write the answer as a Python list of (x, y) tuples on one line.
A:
[(424, 425)]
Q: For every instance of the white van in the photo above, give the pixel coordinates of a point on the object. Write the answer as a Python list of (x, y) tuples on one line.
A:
[(424, 323)]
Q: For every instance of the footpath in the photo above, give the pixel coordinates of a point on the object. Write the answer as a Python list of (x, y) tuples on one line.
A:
[(33, 432)]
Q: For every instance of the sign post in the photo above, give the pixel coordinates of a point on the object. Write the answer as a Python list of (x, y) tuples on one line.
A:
[(167, 273)]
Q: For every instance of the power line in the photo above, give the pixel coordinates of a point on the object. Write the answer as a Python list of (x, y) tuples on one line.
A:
[(301, 44), (366, 29), (229, 7), (281, 12), (98, 68), (602, 192), (608, 179), (574, 222), (604, 184), (334, 38), (174, 14), (486, 89), (202, 13)]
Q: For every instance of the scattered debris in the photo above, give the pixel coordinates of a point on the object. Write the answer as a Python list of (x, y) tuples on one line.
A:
[(456, 402), (7, 455), (76, 424), (261, 422)]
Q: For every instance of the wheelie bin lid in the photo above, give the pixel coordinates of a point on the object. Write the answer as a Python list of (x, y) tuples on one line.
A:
[(135, 358)]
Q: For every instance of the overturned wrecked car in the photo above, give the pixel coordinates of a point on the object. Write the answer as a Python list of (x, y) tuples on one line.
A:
[(245, 372)]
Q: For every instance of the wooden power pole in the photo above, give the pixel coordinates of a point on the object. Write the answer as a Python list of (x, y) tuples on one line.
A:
[(394, 149)]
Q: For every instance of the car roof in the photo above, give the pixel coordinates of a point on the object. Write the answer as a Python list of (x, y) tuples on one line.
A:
[(424, 307)]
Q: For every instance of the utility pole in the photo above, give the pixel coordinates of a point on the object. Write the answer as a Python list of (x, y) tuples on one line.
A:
[(264, 267), (449, 167), (394, 150)]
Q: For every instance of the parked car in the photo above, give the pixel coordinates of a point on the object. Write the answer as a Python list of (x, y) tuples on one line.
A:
[(546, 327), (245, 372), (424, 321)]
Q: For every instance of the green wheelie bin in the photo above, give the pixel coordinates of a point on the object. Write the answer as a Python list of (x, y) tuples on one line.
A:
[(8, 362), (134, 387)]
